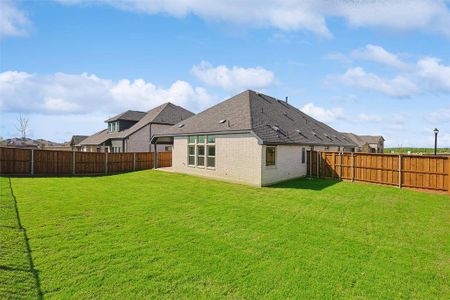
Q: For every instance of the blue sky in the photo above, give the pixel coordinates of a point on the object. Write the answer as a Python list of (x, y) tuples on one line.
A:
[(375, 67)]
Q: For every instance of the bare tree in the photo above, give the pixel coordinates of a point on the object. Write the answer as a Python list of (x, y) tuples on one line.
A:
[(23, 126)]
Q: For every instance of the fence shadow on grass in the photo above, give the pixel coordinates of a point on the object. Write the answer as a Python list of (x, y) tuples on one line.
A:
[(17, 271), (306, 184)]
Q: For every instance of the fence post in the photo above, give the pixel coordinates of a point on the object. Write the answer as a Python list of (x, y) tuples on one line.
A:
[(106, 163), (310, 163), (333, 160), (317, 163), (32, 163), (73, 162), (340, 165), (400, 171), (134, 161), (353, 167)]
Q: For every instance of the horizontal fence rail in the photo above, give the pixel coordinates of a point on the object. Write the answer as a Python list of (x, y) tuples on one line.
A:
[(426, 172), (16, 161)]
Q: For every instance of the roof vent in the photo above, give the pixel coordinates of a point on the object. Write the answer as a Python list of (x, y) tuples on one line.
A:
[(300, 133), (335, 136), (328, 137), (222, 121), (287, 116), (279, 130), (315, 134), (181, 125)]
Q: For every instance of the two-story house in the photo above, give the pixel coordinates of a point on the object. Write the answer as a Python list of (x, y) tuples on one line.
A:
[(131, 131)]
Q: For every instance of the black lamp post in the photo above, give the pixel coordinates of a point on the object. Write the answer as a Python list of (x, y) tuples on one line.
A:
[(436, 131)]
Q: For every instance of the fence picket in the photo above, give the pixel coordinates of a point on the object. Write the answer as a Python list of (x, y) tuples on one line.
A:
[(30, 162), (413, 171)]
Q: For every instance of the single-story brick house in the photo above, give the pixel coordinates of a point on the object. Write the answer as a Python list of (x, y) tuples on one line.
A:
[(76, 140), (250, 138), (131, 131), (367, 143)]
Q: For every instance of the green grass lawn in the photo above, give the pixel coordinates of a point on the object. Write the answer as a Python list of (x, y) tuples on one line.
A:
[(153, 234)]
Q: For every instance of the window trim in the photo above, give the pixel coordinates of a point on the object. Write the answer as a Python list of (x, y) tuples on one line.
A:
[(193, 155), (206, 144), (275, 157)]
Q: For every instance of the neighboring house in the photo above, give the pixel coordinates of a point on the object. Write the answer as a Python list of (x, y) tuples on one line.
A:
[(27, 143), (367, 143), (131, 131), (76, 140), (250, 138)]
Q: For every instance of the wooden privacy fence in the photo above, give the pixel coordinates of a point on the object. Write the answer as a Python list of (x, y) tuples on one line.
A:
[(412, 171), (16, 161)]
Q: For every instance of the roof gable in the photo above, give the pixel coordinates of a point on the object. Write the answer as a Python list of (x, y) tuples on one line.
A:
[(229, 115), (129, 115), (166, 113), (273, 121), (361, 140)]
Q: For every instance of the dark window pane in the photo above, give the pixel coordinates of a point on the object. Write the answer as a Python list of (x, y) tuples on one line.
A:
[(192, 140), (201, 161), (270, 156), (191, 160), (211, 161), (211, 151), (201, 139), (211, 139), (191, 150), (201, 150), (303, 155)]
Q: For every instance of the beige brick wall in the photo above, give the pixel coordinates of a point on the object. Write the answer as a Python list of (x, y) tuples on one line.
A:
[(238, 159), (288, 164)]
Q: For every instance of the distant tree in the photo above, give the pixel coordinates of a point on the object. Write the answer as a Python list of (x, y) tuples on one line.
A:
[(23, 125), (2, 141)]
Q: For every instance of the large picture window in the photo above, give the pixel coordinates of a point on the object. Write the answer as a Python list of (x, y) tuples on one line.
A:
[(202, 151), (271, 155)]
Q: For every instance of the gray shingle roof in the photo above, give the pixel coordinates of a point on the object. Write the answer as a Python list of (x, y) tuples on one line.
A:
[(166, 113), (76, 139), (273, 121), (361, 140), (129, 115)]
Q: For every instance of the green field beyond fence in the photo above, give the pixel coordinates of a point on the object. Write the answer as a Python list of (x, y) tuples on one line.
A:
[(406, 150)]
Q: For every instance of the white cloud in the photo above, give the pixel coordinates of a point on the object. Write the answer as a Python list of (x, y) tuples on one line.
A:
[(399, 86), (370, 118), (398, 14), (428, 73), (234, 78), (380, 55), (62, 93), (436, 74), (322, 114), (440, 116), (13, 22), (310, 15)]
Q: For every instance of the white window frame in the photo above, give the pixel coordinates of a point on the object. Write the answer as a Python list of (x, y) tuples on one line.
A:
[(195, 151), (208, 144), (196, 155), (200, 156)]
